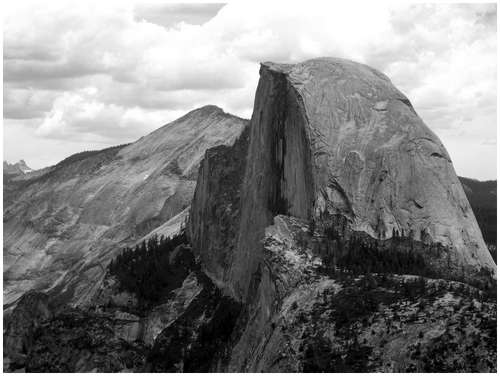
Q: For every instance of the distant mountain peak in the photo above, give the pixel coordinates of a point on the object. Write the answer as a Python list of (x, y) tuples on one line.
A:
[(128, 189), (209, 110), (206, 110), (210, 107), (16, 168)]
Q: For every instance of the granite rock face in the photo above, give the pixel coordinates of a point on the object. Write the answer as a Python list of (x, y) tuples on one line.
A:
[(332, 236), (215, 210), (330, 137), (63, 225), (340, 171)]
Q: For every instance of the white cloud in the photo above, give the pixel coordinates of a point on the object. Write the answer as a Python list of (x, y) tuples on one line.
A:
[(79, 115), (148, 63), (169, 14)]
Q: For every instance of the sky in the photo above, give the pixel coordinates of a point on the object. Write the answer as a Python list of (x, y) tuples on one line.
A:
[(85, 75)]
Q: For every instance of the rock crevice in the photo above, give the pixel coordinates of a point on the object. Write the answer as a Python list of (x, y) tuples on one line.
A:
[(319, 145)]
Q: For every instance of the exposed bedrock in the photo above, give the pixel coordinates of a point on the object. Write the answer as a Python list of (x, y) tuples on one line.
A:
[(331, 137), (300, 319), (215, 210), (63, 224), (336, 152)]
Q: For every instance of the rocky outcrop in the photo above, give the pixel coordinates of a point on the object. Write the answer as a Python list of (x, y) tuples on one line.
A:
[(164, 315), (215, 210), (135, 324), (332, 236), (142, 317), (62, 226), (330, 137), (79, 341), (302, 319), (342, 178), (21, 324), (199, 339), (121, 328), (189, 332)]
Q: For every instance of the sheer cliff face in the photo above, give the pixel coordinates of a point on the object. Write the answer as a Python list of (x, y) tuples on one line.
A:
[(215, 210), (62, 227), (330, 136), (335, 162)]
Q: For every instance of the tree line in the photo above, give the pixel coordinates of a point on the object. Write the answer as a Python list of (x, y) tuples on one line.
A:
[(146, 269)]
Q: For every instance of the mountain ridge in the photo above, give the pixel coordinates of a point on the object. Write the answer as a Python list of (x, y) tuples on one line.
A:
[(330, 234), (135, 186)]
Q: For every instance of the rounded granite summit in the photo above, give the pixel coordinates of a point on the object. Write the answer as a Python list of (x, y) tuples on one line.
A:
[(331, 137)]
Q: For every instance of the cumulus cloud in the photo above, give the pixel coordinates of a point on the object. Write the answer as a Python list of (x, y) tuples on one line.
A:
[(26, 103), (112, 71), (79, 114), (171, 14)]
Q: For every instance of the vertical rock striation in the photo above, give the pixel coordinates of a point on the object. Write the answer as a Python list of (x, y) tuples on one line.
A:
[(335, 178), (329, 138), (340, 162), (215, 211)]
